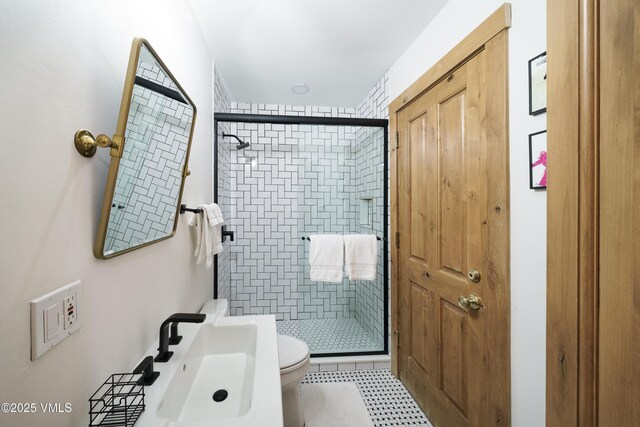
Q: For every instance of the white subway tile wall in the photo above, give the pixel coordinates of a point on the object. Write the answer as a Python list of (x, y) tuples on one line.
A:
[(293, 181), (369, 177), (347, 366)]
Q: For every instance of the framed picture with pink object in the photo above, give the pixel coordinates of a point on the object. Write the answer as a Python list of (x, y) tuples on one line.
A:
[(538, 160)]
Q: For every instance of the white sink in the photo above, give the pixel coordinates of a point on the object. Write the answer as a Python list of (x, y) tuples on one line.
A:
[(236, 354), (219, 358)]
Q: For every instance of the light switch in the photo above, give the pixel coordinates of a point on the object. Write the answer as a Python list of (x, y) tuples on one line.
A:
[(51, 322)]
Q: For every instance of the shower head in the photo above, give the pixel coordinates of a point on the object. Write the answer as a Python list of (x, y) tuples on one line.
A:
[(242, 145)]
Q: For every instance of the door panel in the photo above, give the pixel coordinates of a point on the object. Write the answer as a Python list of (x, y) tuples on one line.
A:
[(419, 199), (453, 212), (454, 354), (448, 357), (423, 311)]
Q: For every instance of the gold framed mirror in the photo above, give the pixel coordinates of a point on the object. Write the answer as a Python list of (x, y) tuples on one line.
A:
[(149, 157)]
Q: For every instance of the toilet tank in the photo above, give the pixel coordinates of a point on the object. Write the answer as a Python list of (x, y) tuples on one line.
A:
[(217, 307)]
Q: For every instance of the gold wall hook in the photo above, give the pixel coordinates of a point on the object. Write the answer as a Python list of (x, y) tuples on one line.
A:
[(87, 145)]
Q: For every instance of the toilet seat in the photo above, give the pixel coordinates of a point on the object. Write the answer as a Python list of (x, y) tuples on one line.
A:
[(295, 367), (292, 353)]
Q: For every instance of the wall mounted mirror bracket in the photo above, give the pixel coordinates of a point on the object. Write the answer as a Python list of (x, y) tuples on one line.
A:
[(149, 157), (87, 145)]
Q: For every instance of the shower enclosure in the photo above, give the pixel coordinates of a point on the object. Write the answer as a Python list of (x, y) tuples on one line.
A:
[(280, 179)]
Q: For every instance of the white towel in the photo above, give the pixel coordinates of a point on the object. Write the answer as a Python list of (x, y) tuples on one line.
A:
[(214, 214), (208, 233), (326, 256), (361, 256)]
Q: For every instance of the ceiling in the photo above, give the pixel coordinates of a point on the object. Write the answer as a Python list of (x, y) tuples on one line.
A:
[(339, 48)]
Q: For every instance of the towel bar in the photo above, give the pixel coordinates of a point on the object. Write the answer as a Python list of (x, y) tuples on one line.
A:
[(184, 208)]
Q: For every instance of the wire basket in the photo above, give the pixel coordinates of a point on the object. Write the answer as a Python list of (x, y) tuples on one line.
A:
[(118, 402)]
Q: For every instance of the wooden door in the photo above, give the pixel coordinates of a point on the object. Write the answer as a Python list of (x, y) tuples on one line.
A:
[(593, 273), (452, 220)]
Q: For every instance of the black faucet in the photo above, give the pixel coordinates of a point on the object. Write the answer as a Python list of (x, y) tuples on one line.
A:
[(149, 376), (163, 349), (174, 338)]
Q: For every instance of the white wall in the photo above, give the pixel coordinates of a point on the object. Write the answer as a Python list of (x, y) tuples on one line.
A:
[(62, 67), (527, 38)]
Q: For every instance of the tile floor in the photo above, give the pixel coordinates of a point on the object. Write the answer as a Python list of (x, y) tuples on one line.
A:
[(386, 399), (330, 335)]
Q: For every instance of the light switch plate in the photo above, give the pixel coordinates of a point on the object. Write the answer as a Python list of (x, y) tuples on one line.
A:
[(49, 313), (51, 322)]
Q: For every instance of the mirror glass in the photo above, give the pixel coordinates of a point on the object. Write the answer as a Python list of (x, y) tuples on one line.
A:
[(144, 186)]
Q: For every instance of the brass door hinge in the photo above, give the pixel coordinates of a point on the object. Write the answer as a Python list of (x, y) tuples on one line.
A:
[(397, 239)]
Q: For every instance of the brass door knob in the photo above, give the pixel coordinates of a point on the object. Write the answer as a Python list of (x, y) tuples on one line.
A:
[(473, 302), (474, 275)]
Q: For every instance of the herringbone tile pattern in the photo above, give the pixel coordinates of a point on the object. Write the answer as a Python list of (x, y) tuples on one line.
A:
[(293, 181), (150, 172)]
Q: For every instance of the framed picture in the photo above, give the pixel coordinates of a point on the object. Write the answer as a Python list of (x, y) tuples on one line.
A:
[(538, 84), (538, 160)]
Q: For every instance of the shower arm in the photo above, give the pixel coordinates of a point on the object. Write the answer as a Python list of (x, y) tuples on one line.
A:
[(225, 135)]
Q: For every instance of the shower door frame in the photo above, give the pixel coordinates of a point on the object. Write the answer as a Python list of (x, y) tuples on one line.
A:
[(327, 121)]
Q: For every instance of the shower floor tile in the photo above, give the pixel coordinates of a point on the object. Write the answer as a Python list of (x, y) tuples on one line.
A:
[(387, 400), (330, 335)]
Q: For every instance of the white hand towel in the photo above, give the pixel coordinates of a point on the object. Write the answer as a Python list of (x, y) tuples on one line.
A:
[(361, 256), (208, 233), (214, 217), (214, 214), (326, 256), (202, 236)]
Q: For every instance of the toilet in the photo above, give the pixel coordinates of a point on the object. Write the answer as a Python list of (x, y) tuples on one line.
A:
[(216, 307), (293, 355)]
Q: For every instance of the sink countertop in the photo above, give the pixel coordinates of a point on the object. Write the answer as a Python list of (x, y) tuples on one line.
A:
[(266, 399)]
